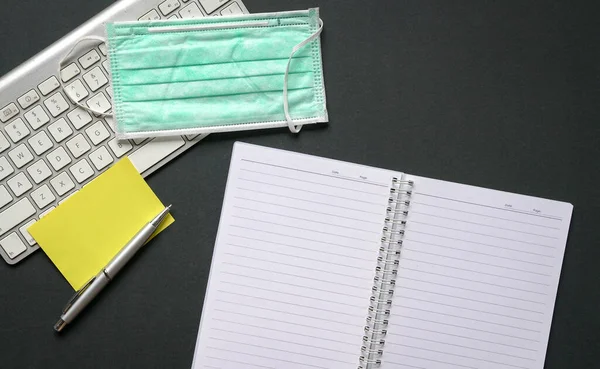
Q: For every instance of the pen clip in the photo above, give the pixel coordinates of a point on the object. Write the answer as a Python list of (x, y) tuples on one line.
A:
[(77, 294)]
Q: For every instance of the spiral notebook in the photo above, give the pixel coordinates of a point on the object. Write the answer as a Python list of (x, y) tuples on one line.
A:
[(325, 264)]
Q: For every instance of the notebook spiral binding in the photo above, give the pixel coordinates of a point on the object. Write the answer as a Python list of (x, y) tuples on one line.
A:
[(385, 274)]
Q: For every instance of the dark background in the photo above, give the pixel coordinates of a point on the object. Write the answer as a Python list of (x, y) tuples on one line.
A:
[(499, 94)]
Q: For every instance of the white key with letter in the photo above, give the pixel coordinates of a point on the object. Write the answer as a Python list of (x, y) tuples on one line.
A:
[(212, 5), (4, 144), (89, 59), (101, 158), (39, 171), (62, 183), (28, 99), (168, 6), (78, 145), (19, 184), (40, 143), (232, 9), (151, 15), (59, 158), (13, 245), (119, 147), (60, 130), (15, 214), (5, 168), (8, 112), (69, 72), (154, 151), (56, 104), (81, 170), (95, 79), (48, 85), (99, 103), (191, 11), (103, 49), (5, 197), (36, 117), (43, 196), (20, 155), (97, 132), (79, 117), (17, 130), (26, 234), (76, 90)]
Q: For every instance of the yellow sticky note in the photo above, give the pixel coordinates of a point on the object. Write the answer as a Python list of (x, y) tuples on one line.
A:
[(85, 232)]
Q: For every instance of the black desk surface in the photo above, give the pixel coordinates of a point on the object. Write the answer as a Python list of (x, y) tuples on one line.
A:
[(499, 94)]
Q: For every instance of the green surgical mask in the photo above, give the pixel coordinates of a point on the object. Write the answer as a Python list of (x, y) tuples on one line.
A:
[(217, 74)]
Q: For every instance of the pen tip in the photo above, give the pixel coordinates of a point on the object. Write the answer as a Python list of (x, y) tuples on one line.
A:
[(59, 325)]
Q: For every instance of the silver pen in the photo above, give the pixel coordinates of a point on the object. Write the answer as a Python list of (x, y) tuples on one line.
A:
[(88, 292)]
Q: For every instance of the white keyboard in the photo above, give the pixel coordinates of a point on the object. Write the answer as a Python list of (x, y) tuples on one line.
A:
[(49, 148)]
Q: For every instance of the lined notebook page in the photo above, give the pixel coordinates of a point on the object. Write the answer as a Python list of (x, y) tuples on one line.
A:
[(477, 279), (293, 264)]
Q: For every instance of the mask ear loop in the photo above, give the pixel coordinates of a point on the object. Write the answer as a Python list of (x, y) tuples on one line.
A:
[(60, 67), (286, 107)]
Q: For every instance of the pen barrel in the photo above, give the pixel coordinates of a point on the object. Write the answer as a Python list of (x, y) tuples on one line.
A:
[(127, 252), (85, 298)]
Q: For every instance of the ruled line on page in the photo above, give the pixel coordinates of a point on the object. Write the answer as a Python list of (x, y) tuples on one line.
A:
[(305, 219), (306, 181), (427, 359), (239, 362), (311, 192), (265, 357), (482, 215), (320, 174)]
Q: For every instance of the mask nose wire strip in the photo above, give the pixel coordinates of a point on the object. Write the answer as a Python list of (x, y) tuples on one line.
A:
[(60, 66), (286, 105)]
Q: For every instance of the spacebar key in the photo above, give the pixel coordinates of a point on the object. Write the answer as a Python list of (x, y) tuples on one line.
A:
[(15, 215), (154, 151)]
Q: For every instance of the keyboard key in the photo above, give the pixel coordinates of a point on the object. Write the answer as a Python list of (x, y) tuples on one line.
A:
[(36, 117), (95, 79), (56, 104), (17, 130), (154, 151), (99, 102), (48, 85), (40, 143), (212, 5), (39, 171), (110, 122), (168, 6), (60, 129), (102, 48), (4, 144), (5, 197), (79, 117), (43, 196), (47, 211), (69, 72), (151, 15), (81, 170), (26, 234), (59, 158), (78, 145), (106, 65), (62, 183), (20, 155), (89, 59), (109, 91), (15, 214), (191, 11), (97, 132), (8, 112), (76, 91), (13, 246), (232, 9), (101, 158), (28, 99), (19, 184), (119, 147), (174, 16), (5, 168)]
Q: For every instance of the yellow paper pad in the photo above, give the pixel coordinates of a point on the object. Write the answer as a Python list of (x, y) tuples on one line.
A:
[(85, 232)]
